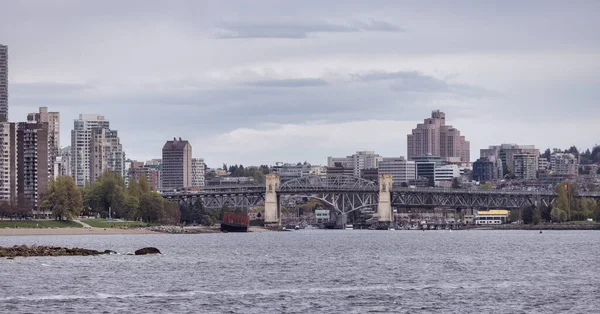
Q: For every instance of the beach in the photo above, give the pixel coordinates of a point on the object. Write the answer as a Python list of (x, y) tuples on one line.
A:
[(71, 231)]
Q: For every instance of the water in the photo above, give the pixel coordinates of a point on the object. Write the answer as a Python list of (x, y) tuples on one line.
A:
[(307, 271)]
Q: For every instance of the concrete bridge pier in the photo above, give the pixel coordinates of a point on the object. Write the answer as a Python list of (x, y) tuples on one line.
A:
[(384, 207), (272, 201)]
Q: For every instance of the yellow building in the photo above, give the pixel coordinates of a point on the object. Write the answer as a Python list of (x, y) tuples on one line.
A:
[(491, 217)]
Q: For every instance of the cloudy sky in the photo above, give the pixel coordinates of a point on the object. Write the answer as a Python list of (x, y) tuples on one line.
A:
[(257, 82)]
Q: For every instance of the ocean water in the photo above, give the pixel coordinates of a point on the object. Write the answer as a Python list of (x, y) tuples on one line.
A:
[(311, 271)]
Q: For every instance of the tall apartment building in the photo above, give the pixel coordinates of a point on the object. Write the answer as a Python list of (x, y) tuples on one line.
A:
[(4, 82), (33, 171), (65, 154), (81, 139), (402, 170), (8, 162), (487, 169), (436, 138), (506, 153), (176, 169), (106, 153), (525, 166), (358, 161), (53, 121), (198, 172), (564, 164)]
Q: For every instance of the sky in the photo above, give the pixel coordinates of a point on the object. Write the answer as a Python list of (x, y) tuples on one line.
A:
[(259, 82)]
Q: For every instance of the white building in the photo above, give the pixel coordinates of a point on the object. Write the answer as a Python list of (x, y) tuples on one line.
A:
[(359, 161), (81, 136), (525, 166), (8, 160), (106, 154), (446, 173), (289, 171), (198, 172), (543, 163), (402, 170), (564, 164), (320, 171)]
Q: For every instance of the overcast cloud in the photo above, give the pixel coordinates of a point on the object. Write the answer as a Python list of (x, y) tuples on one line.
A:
[(257, 82)]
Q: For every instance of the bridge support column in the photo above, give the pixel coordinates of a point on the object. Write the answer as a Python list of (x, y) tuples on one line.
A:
[(272, 204), (384, 208)]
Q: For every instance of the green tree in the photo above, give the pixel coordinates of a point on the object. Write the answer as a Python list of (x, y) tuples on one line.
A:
[(63, 198), (527, 215), (537, 216), (144, 186), (151, 207), (486, 186)]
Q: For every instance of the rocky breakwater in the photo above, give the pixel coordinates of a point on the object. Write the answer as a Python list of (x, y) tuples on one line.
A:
[(184, 230), (24, 251)]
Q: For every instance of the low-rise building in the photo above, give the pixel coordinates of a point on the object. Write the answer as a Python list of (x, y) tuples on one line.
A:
[(491, 217), (446, 173), (564, 164), (402, 170), (487, 169)]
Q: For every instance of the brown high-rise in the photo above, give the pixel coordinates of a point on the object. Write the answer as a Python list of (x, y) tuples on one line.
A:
[(176, 170), (4, 82), (32, 163), (434, 137)]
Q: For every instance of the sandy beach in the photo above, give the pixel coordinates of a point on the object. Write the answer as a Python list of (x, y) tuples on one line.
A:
[(70, 231)]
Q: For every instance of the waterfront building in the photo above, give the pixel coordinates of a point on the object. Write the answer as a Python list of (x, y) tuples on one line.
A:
[(487, 169), (491, 217), (81, 140), (525, 166), (436, 138), (402, 170), (506, 153), (564, 164), (198, 172), (176, 172), (4, 82), (33, 171), (8, 161), (358, 161)]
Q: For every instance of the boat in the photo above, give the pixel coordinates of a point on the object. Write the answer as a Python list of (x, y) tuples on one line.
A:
[(349, 227), (391, 227), (235, 223)]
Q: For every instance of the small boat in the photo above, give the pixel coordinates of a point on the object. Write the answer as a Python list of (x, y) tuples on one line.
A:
[(349, 227), (391, 227)]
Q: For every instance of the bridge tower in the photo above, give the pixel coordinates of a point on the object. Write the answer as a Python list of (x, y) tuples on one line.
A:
[(384, 208), (272, 202)]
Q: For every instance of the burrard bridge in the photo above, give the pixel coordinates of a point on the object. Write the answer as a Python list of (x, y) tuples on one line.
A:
[(346, 194)]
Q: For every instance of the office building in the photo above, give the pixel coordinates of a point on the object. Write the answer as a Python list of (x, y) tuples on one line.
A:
[(81, 140), (176, 172), (33, 171), (3, 83), (525, 166), (434, 137), (426, 166), (402, 170), (198, 172), (8, 162), (487, 169), (506, 153), (564, 164), (446, 173), (357, 162)]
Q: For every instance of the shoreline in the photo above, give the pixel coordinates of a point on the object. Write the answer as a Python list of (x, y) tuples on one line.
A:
[(71, 231)]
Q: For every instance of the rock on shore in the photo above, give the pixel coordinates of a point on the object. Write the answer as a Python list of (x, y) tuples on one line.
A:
[(24, 250)]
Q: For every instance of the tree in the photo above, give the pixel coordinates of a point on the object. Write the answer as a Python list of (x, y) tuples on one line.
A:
[(547, 154), (456, 183), (63, 198), (537, 217), (151, 207), (486, 186), (514, 215), (527, 215), (144, 186)]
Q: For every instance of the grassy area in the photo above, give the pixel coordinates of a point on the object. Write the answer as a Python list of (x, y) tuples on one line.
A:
[(102, 223), (38, 224)]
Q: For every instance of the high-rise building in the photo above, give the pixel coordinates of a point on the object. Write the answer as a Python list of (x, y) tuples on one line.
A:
[(564, 164), (65, 153), (53, 121), (436, 138), (33, 171), (176, 169), (81, 139), (106, 154), (8, 162), (402, 170), (506, 153), (4, 82), (525, 166), (358, 161), (198, 171)]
